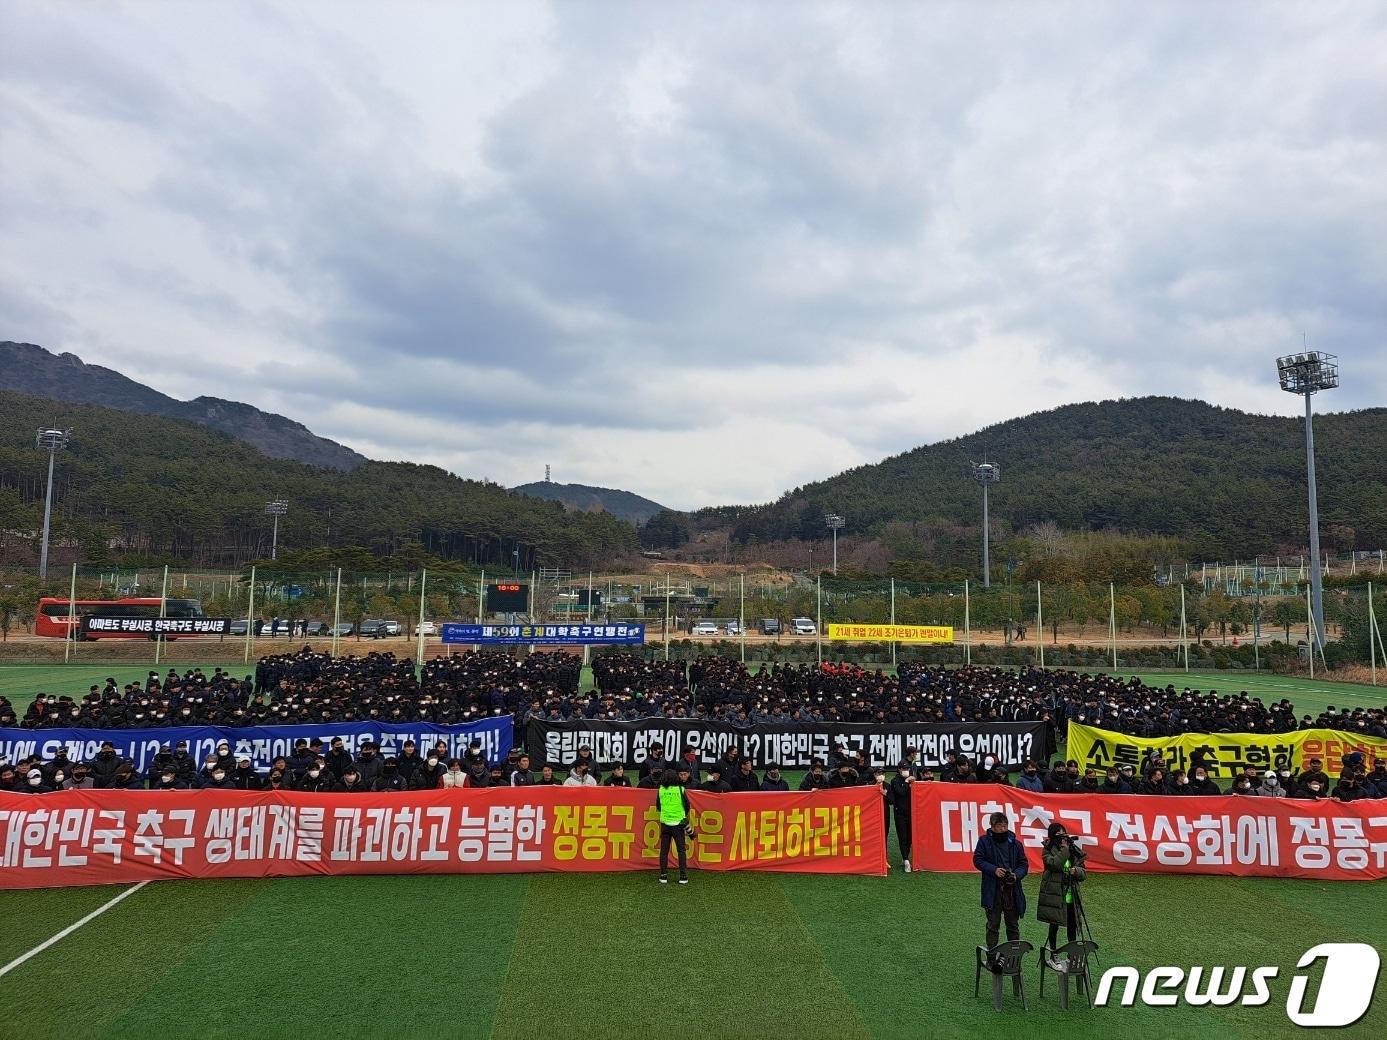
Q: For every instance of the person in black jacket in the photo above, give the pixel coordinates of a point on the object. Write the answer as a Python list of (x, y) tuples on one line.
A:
[(104, 764), (1201, 784), (773, 781), (745, 778), (1113, 784), (714, 783), (369, 767), (521, 775), (244, 778), (410, 762), (315, 779), (338, 759), (1001, 861), (844, 776), (898, 796), (428, 775), (390, 779), (350, 783), (814, 780), (617, 777)]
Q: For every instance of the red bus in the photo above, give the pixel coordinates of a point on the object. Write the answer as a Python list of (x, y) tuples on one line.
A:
[(54, 617)]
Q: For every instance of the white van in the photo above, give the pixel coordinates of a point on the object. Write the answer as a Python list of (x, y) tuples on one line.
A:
[(802, 626)]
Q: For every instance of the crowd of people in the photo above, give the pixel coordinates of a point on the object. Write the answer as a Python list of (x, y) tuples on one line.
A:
[(311, 687)]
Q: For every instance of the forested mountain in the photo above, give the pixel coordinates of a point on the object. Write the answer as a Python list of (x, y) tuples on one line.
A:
[(624, 505), (141, 486), (1224, 482), (29, 369)]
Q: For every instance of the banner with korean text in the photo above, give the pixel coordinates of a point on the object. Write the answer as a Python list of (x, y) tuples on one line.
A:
[(939, 634), (1236, 835), (1225, 754), (790, 745), (261, 744), (108, 837), (621, 633)]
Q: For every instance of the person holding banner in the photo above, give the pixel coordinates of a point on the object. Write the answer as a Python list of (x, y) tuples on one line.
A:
[(1001, 860), (898, 796), (673, 803)]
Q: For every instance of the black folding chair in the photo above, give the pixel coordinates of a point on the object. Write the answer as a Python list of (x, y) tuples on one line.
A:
[(1074, 956), (1002, 960)]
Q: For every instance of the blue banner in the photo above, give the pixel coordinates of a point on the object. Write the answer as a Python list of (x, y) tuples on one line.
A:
[(621, 633), (261, 744)]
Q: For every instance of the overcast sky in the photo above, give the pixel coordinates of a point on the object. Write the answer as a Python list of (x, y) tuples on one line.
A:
[(703, 252)]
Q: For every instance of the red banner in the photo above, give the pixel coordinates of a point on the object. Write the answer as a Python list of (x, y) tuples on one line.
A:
[(106, 837), (1241, 835)]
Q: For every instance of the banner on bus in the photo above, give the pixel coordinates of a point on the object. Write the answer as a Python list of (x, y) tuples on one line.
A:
[(261, 744), (109, 837), (1142, 834), (623, 633), (891, 633), (1225, 754)]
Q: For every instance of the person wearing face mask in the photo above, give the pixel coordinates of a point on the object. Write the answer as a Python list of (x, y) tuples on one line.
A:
[(350, 782), (1114, 784), (1310, 791), (390, 779), (275, 781), (170, 781), (430, 774), (1089, 783), (315, 779), (1270, 787), (219, 778), (898, 797), (339, 758), (244, 778), (1201, 783), (1242, 785), (772, 781), (1350, 787), (1030, 780), (79, 780), (103, 765), (369, 766)]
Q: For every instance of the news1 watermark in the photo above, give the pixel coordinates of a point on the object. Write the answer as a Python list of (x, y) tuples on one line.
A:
[(1344, 995)]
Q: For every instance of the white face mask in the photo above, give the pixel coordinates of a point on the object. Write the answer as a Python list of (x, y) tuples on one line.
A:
[(314, 773), (218, 775), (433, 761)]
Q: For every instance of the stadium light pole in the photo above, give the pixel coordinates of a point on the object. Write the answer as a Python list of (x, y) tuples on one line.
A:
[(51, 441), (835, 524), (276, 509), (1306, 374), (986, 474)]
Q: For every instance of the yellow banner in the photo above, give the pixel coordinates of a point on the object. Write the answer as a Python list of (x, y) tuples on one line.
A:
[(1225, 753), (893, 633)]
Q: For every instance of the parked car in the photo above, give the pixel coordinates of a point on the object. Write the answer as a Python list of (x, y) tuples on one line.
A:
[(770, 626), (370, 627), (238, 627), (733, 629), (281, 627), (427, 628), (803, 626), (705, 628), (344, 629), (388, 628), (316, 628)]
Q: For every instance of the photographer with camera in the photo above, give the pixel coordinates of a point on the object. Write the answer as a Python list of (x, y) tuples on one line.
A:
[(1002, 862), (1064, 871), (673, 803)]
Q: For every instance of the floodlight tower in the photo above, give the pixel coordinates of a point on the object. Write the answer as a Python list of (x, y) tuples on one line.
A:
[(276, 509), (1306, 374), (835, 524), (986, 474), (51, 441)]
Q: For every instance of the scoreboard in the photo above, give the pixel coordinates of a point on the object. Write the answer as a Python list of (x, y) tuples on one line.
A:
[(507, 598)]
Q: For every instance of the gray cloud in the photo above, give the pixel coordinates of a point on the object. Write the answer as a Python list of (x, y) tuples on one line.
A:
[(648, 243)]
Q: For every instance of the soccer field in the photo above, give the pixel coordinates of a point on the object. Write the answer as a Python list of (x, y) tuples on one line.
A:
[(618, 955)]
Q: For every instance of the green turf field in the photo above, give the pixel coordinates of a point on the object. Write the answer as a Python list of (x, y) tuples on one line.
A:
[(617, 955)]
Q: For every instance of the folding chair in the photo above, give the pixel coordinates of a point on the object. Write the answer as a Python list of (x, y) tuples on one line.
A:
[(1075, 956), (1002, 960)]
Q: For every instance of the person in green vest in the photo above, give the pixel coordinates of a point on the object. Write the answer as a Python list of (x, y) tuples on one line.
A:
[(1064, 870), (673, 803)]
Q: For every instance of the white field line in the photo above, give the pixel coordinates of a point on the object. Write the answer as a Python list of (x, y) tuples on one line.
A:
[(70, 929)]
